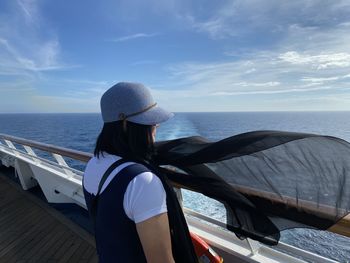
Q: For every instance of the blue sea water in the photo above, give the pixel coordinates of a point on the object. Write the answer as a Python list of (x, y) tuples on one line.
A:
[(79, 131)]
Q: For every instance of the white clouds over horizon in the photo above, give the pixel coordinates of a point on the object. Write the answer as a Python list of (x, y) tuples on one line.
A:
[(229, 55), (25, 52), (28, 49), (308, 56), (269, 73)]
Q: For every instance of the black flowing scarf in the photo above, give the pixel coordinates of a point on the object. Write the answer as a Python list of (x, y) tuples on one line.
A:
[(268, 181), (182, 248)]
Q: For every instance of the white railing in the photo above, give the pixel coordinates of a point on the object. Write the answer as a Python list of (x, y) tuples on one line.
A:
[(62, 184)]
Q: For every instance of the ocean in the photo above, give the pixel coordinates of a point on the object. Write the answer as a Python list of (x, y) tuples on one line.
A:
[(79, 131)]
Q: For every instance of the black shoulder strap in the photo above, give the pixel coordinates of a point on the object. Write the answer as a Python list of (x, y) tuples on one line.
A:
[(107, 173), (94, 201)]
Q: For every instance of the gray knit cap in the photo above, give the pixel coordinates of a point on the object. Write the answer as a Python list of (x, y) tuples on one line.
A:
[(132, 102)]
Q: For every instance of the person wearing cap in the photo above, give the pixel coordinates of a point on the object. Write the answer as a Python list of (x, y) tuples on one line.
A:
[(127, 200)]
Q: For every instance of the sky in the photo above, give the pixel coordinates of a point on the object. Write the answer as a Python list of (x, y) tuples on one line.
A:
[(203, 55)]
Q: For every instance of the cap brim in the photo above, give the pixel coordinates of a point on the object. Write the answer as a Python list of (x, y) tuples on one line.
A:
[(153, 116)]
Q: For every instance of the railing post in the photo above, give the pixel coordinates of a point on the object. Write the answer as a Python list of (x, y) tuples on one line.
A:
[(12, 146), (62, 162), (253, 245), (30, 151)]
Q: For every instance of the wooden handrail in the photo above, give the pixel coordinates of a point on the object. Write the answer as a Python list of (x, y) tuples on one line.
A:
[(342, 227), (300, 204), (74, 154)]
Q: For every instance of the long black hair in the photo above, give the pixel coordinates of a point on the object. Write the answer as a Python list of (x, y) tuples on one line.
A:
[(128, 140)]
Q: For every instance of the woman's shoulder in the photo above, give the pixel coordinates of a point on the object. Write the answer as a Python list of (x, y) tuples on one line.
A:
[(96, 166), (146, 177), (103, 158), (101, 162)]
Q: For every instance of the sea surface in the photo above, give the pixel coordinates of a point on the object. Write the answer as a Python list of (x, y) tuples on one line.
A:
[(79, 131)]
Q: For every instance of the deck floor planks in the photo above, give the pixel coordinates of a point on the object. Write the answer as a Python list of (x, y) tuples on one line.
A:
[(12, 234), (20, 220), (44, 251), (6, 201), (7, 245), (63, 249), (37, 243), (5, 227), (79, 251), (70, 251), (32, 231), (13, 212), (27, 219), (19, 213), (18, 227), (27, 239), (88, 253), (56, 246), (94, 259)]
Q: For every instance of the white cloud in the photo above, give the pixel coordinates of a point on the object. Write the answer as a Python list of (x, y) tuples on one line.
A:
[(29, 9), (321, 80), (133, 37), (250, 71), (24, 48), (321, 61), (241, 18), (273, 74), (44, 58), (216, 28), (319, 102), (309, 53), (23, 74), (28, 48), (280, 91), (252, 84)]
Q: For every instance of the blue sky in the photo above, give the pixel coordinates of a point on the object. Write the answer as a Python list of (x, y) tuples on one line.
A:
[(237, 55)]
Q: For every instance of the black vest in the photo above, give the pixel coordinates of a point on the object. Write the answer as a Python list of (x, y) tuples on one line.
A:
[(116, 236)]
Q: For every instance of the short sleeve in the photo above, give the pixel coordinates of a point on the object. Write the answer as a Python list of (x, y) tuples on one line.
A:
[(144, 198)]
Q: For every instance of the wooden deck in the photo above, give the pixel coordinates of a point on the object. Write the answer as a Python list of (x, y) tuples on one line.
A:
[(32, 231)]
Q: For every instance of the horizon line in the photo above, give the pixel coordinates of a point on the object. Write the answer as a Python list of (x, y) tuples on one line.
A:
[(270, 111)]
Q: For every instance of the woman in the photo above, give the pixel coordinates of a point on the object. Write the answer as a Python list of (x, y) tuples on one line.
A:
[(128, 202)]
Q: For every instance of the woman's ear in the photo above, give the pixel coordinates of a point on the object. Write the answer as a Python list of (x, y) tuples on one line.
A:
[(154, 132)]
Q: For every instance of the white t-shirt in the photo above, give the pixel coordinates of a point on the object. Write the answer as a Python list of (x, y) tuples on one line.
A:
[(145, 196)]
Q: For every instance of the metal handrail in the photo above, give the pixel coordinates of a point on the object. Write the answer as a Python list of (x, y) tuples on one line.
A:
[(75, 171), (342, 227), (74, 154), (204, 217)]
